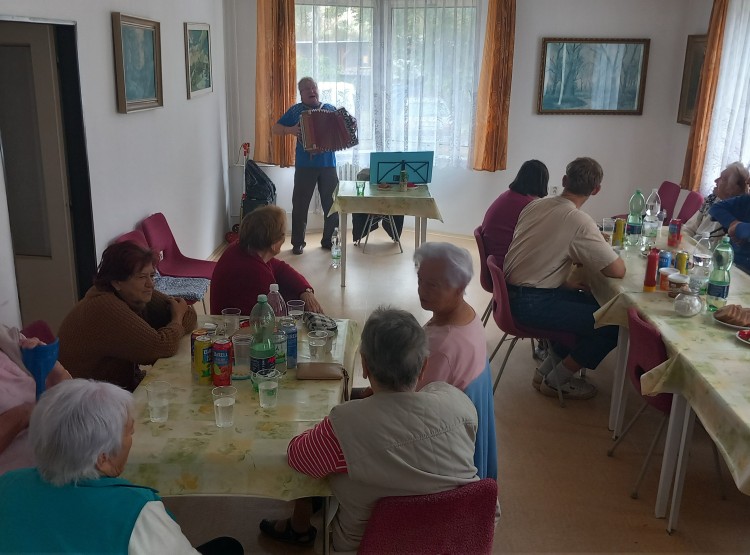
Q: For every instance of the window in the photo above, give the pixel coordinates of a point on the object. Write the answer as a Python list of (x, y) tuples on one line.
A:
[(404, 68)]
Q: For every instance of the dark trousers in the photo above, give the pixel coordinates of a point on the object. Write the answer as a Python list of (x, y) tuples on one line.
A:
[(305, 180), (565, 310)]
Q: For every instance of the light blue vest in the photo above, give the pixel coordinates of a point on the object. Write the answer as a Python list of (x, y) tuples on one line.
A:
[(94, 516)]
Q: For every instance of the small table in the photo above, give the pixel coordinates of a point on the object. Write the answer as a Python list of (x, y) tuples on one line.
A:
[(416, 201)]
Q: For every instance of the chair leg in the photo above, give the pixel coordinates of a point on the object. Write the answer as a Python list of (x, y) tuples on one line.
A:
[(487, 313), (498, 347), (634, 493), (395, 232), (505, 361), (367, 229), (719, 477), (611, 450), (203, 300), (533, 350)]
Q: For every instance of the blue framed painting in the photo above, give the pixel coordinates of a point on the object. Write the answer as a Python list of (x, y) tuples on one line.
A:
[(137, 44), (198, 59)]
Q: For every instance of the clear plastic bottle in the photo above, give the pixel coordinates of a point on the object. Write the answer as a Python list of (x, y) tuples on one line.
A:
[(702, 263), (718, 281), (335, 249), (276, 301), (634, 227), (651, 219), (262, 350)]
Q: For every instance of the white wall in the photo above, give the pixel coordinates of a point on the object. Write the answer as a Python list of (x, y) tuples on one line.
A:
[(635, 151), (171, 159)]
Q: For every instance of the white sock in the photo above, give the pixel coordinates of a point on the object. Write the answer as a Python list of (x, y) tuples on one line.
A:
[(559, 375)]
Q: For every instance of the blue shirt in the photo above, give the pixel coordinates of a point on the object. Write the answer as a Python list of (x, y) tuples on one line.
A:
[(727, 211), (302, 158)]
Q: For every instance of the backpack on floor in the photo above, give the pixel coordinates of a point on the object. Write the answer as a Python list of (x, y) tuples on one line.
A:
[(259, 189)]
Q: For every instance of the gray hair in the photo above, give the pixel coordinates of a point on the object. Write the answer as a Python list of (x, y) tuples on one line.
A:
[(459, 268), (306, 80), (394, 347), (75, 422), (741, 175)]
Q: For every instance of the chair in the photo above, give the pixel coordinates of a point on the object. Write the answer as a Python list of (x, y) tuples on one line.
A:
[(504, 320), (646, 351), (192, 289), (171, 261), (371, 221), (39, 329), (408, 524), (485, 279), (693, 202)]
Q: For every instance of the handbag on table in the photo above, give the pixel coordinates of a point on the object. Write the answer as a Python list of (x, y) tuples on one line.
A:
[(324, 371)]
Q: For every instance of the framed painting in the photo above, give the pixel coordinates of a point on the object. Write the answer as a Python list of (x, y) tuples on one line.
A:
[(592, 76), (691, 77), (138, 79), (198, 59)]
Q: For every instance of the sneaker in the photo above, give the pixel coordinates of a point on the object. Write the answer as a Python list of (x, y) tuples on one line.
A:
[(537, 380), (575, 388), (297, 249), (545, 368)]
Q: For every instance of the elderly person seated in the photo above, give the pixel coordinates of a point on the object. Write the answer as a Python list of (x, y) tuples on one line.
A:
[(458, 349), (248, 267), (122, 321), (17, 398), (731, 183), (733, 215), (73, 500), (385, 445)]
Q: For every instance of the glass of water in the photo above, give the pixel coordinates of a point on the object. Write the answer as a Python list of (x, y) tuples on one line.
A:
[(231, 320), (224, 398), (158, 400), (268, 389), (295, 309)]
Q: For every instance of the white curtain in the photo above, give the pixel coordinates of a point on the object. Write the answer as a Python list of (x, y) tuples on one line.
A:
[(406, 69), (729, 137)]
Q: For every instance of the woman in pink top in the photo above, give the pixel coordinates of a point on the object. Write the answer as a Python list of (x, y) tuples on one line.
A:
[(501, 218), (458, 351)]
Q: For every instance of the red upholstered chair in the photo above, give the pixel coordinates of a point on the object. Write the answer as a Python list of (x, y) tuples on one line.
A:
[(460, 520), (41, 330), (504, 320), (692, 203), (485, 279), (171, 261), (646, 351), (136, 236)]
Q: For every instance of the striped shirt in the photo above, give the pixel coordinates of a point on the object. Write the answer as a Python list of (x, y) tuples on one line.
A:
[(317, 452)]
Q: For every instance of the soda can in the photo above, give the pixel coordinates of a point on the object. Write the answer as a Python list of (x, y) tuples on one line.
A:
[(203, 360), (279, 343), (665, 259), (681, 260), (619, 235), (222, 352), (210, 328), (193, 336), (288, 326), (675, 232)]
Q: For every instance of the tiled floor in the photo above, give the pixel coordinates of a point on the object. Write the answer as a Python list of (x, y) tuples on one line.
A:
[(558, 489)]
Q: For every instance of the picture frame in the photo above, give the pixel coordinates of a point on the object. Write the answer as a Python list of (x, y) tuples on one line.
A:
[(695, 53), (198, 59), (593, 76), (138, 78)]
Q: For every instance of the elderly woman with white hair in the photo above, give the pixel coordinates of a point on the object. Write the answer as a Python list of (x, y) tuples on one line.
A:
[(458, 349), (81, 432)]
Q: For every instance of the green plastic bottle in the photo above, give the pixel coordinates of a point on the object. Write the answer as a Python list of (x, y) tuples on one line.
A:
[(634, 224), (718, 281)]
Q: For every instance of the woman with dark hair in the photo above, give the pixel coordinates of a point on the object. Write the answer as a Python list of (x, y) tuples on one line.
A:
[(501, 218), (248, 267), (122, 321)]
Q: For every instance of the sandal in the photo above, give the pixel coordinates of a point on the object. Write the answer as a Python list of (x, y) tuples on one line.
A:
[(268, 527)]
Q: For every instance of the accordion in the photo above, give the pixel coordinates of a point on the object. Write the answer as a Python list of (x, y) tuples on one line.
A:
[(326, 131)]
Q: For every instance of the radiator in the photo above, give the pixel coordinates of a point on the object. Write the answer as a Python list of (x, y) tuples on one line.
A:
[(347, 172)]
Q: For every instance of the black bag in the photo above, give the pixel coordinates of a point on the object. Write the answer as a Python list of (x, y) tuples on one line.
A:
[(259, 189)]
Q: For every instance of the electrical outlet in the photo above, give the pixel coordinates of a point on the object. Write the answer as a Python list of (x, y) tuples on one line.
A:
[(554, 190)]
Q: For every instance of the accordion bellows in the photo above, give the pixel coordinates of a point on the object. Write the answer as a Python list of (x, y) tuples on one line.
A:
[(326, 131)]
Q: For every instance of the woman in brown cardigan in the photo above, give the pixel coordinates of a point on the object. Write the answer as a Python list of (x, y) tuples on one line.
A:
[(122, 321)]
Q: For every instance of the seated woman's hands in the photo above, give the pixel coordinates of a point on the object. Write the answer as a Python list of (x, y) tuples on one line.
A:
[(311, 303), (179, 307)]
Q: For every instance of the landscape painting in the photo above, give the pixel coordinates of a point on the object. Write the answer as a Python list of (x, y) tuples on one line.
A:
[(198, 59)]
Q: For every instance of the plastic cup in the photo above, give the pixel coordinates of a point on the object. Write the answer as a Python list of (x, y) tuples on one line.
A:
[(608, 228), (231, 320), (317, 347), (360, 186), (241, 346), (158, 400), (322, 334), (295, 309), (268, 389), (224, 399)]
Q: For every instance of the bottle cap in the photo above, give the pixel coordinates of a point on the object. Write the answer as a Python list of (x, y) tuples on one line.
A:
[(262, 299), (275, 287)]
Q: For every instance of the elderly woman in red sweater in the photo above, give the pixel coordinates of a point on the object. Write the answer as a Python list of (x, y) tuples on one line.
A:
[(248, 267)]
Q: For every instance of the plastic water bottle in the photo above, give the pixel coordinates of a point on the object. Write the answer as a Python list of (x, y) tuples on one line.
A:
[(701, 269), (262, 350), (276, 301), (718, 281), (634, 224), (651, 219), (335, 249)]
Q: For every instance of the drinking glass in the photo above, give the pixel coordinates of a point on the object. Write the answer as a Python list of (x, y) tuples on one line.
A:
[(317, 347), (224, 398), (158, 400), (360, 185), (325, 335), (608, 228), (231, 320), (295, 309), (241, 345), (268, 389)]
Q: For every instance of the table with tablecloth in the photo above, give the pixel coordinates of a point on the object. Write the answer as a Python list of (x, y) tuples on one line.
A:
[(189, 455), (416, 201)]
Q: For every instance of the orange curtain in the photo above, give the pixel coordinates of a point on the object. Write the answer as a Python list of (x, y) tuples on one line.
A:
[(493, 101), (275, 80), (696, 148)]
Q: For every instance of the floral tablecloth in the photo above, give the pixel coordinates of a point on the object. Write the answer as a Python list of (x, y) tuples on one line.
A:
[(189, 455), (416, 201)]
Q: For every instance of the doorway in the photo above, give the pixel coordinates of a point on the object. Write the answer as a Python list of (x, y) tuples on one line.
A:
[(46, 168)]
